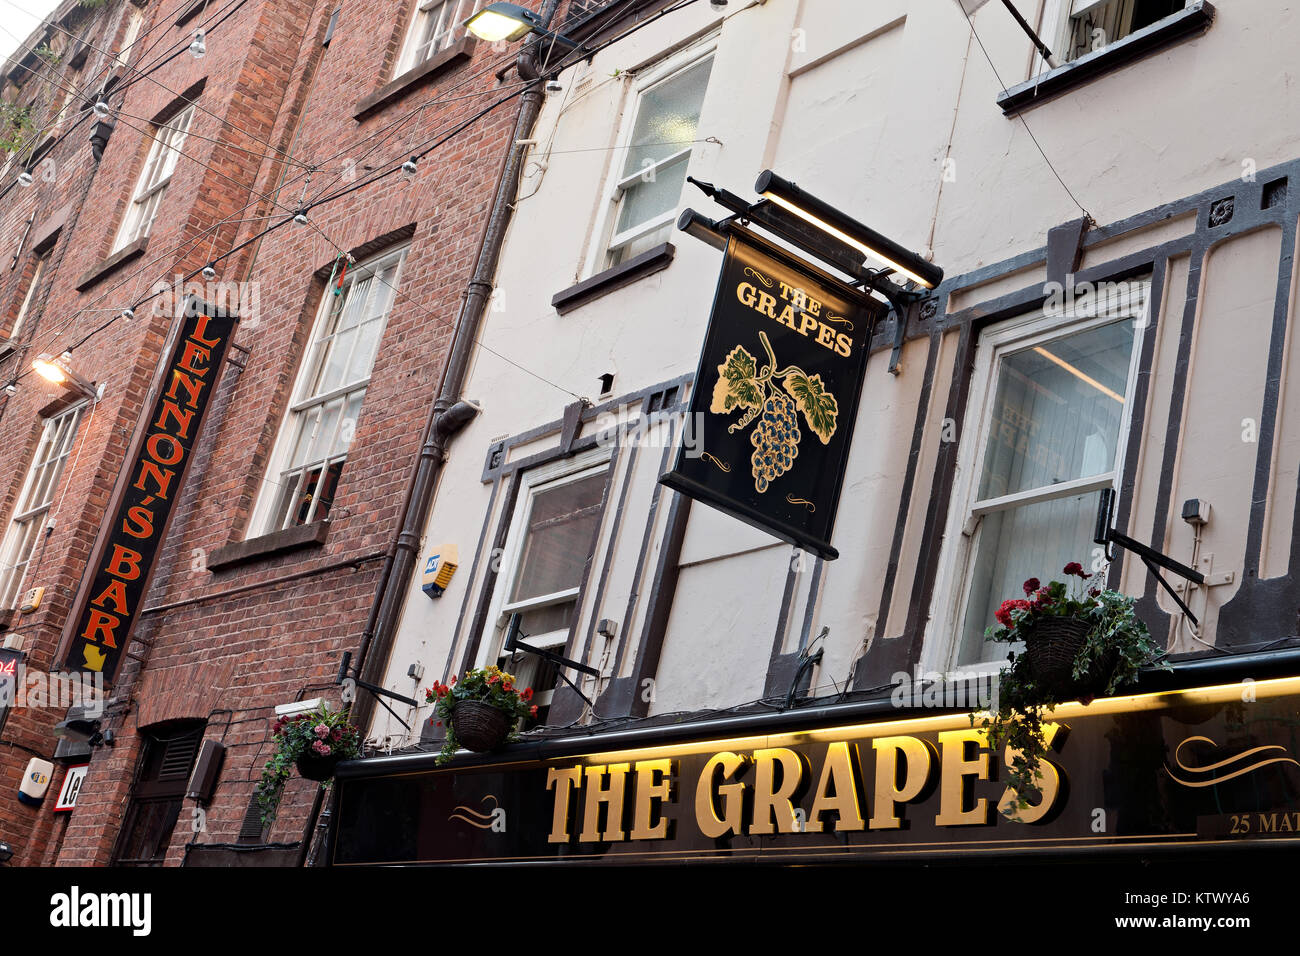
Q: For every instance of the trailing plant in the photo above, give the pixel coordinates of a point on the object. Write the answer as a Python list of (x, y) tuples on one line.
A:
[(15, 126), (48, 54), (486, 685), (1116, 647), (322, 732)]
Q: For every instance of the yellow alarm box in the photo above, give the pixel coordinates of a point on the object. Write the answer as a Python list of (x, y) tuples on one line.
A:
[(438, 569)]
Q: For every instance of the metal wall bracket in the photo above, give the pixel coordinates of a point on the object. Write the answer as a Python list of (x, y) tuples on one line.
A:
[(513, 643), (377, 692), (1105, 536)]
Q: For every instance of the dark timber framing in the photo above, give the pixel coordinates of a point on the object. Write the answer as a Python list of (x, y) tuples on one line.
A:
[(1260, 616)]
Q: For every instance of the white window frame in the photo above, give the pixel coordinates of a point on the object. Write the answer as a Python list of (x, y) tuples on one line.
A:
[(305, 402), (1056, 30), (535, 481), (24, 530), (942, 643), (30, 294), (602, 252), (135, 19), (146, 200), (435, 25)]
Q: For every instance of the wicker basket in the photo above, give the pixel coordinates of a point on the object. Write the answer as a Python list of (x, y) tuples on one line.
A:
[(1051, 646), (479, 727), (312, 766)]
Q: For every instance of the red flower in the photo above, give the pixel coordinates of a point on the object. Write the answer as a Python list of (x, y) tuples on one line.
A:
[(492, 679), (1003, 613), (1075, 568), (532, 711), (1031, 586), (453, 679), (1093, 592), (507, 686), (527, 694), (1044, 596)]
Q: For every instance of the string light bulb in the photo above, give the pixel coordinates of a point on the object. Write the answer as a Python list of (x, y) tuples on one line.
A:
[(102, 109), (24, 178), (128, 315), (11, 389), (410, 168), (300, 219), (198, 48), (209, 273)]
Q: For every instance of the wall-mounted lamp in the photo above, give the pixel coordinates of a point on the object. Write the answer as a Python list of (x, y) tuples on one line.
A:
[(60, 372), (511, 22), (877, 248), (82, 730)]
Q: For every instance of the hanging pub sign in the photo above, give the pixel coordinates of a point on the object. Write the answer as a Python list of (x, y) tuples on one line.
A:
[(117, 577), (776, 394)]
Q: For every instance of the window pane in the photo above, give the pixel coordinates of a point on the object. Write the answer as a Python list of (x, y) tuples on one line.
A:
[(1057, 411), (646, 199), (668, 117), (1036, 540), (642, 243), (1094, 24), (561, 528)]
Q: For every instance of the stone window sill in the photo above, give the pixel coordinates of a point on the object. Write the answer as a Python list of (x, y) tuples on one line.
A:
[(1192, 20), (264, 546), (456, 54), (124, 255), (625, 273)]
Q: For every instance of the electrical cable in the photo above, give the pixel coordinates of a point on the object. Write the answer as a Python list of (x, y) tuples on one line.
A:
[(1021, 117)]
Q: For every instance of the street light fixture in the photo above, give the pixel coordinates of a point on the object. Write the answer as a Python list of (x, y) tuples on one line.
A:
[(511, 22), (848, 230), (60, 372)]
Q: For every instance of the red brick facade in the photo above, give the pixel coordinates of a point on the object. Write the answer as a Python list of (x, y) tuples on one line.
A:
[(226, 646)]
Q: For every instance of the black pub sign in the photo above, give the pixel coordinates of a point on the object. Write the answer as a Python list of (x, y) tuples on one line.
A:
[(776, 394), (1197, 767), (117, 578)]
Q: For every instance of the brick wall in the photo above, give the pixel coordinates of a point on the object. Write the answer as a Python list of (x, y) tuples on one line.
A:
[(227, 646)]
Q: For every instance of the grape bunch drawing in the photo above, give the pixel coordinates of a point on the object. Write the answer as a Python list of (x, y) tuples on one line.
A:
[(776, 398)]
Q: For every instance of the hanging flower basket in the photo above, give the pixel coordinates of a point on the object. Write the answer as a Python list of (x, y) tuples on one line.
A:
[(314, 743), (1081, 640), (315, 767), (1051, 646), (479, 727), (481, 712)]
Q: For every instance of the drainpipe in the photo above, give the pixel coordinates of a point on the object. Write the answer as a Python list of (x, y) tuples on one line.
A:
[(449, 413)]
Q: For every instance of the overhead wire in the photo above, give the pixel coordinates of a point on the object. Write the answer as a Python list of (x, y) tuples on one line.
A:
[(426, 147)]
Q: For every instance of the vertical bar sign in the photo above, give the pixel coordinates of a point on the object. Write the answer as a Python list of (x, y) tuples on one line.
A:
[(117, 579)]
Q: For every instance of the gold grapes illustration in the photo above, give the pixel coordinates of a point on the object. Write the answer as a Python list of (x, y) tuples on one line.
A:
[(743, 385)]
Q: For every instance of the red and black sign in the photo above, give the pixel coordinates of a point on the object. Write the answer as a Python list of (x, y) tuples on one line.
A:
[(123, 560), (776, 394)]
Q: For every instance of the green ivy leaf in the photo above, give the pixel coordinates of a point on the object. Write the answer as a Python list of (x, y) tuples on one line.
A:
[(737, 384), (818, 405)]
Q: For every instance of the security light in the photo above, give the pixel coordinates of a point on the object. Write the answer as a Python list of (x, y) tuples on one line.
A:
[(503, 21), (833, 222), (60, 372), (79, 730), (510, 22)]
